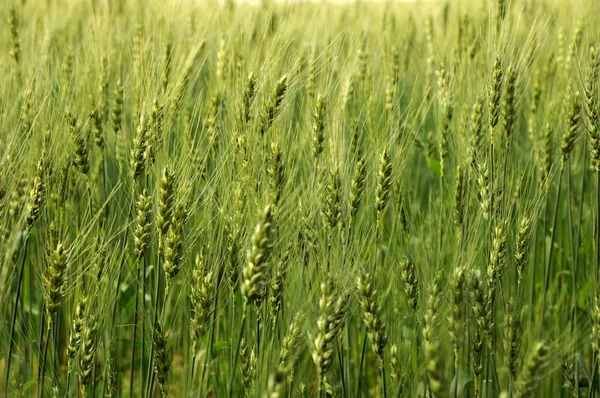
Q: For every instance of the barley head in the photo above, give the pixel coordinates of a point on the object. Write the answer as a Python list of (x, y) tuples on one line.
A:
[(528, 379), (162, 361), (254, 272), (290, 346), (76, 331), (139, 148), (174, 246), (523, 235), (372, 314), (13, 24), (431, 345), (141, 235), (112, 370), (201, 296), (596, 326), (37, 194), (165, 205), (357, 188), (276, 173), (332, 206), (384, 183), (494, 95), (318, 127), (483, 180), (410, 282), (509, 111), (247, 367), (87, 352), (512, 339), (273, 105), (81, 156), (277, 286), (332, 312), (480, 303), (476, 132), (459, 196), (55, 279), (592, 120), (117, 108), (571, 132)]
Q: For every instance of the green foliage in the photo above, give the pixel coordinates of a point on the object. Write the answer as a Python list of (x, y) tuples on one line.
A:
[(307, 199)]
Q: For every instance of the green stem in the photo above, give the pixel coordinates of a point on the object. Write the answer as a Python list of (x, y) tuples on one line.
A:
[(593, 379), (105, 183), (134, 338), (597, 224), (258, 315), (581, 199), (237, 350), (212, 332), (14, 315), (340, 359), (574, 275), (68, 384), (143, 342), (42, 365), (41, 348), (347, 349), (383, 382), (505, 166), (456, 372), (552, 236), (155, 319), (362, 361), (494, 371), (492, 183), (93, 387), (192, 366), (206, 358), (120, 273)]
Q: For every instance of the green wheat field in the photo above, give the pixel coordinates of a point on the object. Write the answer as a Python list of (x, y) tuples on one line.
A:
[(361, 199)]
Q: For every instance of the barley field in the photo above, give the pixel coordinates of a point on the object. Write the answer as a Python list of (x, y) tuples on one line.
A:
[(362, 199)]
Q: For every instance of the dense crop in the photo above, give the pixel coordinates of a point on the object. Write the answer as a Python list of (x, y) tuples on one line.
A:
[(277, 200)]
